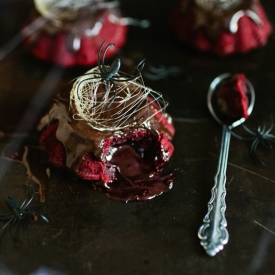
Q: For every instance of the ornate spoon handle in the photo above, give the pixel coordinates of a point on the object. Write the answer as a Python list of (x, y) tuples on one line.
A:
[(213, 232)]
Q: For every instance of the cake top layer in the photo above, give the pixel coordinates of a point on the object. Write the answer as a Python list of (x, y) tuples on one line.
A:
[(115, 104)]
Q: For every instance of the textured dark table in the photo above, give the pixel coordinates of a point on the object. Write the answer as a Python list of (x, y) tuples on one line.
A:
[(89, 234)]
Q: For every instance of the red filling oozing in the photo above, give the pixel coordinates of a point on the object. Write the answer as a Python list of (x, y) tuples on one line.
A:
[(232, 97), (129, 168)]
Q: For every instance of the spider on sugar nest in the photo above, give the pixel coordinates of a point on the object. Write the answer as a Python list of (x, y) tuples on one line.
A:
[(109, 75), (262, 137), (97, 90), (17, 212)]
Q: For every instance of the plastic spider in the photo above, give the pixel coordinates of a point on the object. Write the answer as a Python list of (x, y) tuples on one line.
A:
[(262, 137), (161, 72), (17, 212), (109, 75)]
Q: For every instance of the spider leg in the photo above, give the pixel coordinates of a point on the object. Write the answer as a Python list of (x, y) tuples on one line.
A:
[(271, 138), (253, 152), (26, 203), (14, 220), (240, 137), (266, 142), (103, 57), (40, 215), (101, 69), (6, 216), (262, 130), (115, 93), (254, 146), (271, 126), (5, 226), (98, 58), (248, 130), (101, 66), (139, 67), (127, 75), (130, 75), (84, 80)]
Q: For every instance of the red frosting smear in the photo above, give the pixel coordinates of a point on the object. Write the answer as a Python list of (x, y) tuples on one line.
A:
[(232, 97)]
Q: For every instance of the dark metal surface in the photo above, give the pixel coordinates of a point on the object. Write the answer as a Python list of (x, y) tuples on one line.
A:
[(89, 234)]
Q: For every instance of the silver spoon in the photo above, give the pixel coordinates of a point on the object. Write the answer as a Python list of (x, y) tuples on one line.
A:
[(213, 232)]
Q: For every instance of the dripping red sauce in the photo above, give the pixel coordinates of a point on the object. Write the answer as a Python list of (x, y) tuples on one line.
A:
[(134, 171)]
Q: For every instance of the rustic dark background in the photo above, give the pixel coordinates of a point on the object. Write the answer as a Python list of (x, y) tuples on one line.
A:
[(89, 234)]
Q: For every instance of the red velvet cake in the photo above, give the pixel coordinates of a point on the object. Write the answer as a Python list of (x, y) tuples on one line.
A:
[(73, 34), (221, 27), (232, 97), (114, 133)]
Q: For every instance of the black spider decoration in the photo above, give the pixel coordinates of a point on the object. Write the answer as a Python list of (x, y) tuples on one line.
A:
[(260, 137), (111, 75), (161, 72), (17, 212)]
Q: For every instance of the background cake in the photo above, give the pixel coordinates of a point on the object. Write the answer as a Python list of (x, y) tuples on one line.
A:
[(74, 31), (221, 27)]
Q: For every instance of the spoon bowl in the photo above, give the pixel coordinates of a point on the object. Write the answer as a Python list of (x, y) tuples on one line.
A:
[(213, 232), (211, 102)]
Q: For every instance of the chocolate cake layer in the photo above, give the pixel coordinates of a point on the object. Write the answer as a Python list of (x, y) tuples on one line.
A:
[(129, 159)]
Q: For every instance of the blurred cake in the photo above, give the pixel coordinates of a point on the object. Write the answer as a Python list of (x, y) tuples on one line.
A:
[(74, 30), (221, 27)]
